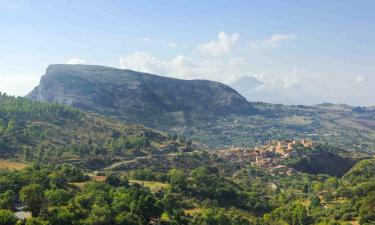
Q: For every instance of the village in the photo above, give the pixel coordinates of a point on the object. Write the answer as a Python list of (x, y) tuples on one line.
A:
[(268, 156)]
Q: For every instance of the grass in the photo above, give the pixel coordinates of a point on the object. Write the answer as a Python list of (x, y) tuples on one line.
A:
[(79, 185), (12, 165), (153, 185), (93, 177), (194, 211)]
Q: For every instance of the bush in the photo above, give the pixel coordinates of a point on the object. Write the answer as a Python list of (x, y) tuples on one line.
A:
[(346, 217), (7, 217)]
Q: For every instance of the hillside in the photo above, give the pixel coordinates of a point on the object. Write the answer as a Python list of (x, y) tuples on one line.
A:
[(206, 111), (154, 101), (322, 160), (35, 131), (363, 171)]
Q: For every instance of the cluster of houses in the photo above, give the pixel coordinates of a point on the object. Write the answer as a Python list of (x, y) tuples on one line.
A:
[(268, 155)]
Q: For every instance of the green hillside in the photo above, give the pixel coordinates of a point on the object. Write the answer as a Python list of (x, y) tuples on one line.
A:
[(35, 131), (364, 171)]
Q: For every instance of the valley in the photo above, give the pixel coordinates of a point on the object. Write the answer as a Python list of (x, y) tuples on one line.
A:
[(139, 112), (240, 162)]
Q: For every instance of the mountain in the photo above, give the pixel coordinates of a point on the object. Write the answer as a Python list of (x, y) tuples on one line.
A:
[(209, 112), (151, 100)]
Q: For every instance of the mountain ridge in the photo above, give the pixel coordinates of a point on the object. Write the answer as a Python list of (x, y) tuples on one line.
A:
[(208, 112), (123, 93)]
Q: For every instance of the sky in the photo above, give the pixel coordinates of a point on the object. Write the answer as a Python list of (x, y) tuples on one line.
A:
[(303, 52)]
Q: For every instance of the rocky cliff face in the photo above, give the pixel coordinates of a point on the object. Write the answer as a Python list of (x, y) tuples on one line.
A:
[(147, 99)]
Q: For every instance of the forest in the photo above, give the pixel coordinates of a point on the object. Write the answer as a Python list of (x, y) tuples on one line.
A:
[(80, 168)]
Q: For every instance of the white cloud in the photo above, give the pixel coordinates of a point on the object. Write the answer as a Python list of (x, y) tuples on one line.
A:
[(75, 61), (19, 84), (184, 67), (221, 46), (144, 39), (286, 80), (359, 79), (144, 62), (271, 42)]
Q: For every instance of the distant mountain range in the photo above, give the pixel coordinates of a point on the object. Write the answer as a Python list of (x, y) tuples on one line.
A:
[(208, 111)]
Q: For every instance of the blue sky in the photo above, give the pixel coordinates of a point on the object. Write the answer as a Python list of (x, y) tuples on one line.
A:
[(305, 51)]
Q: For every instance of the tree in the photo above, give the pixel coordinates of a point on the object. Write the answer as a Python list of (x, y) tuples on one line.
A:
[(32, 196), (56, 180), (177, 180), (36, 221), (295, 214), (100, 213), (28, 154), (127, 218), (367, 209), (7, 217), (315, 202), (58, 196), (7, 200), (113, 180), (11, 125), (332, 183), (61, 216)]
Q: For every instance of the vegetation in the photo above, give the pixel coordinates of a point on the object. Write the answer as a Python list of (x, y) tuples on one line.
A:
[(205, 195), (209, 112), (43, 132), (67, 166), (322, 159)]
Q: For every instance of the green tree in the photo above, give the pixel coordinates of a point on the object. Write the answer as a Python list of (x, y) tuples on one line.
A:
[(62, 216), (367, 209), (177, 180), (315, 202), (100, 213), (32, 196), (113, 180), (7, 200), (11, 125), (56, 180), (7, 217), (36, 221), (127, 218), (58, 196)]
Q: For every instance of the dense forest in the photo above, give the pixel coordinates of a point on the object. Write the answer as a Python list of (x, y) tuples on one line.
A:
[(205, 195)]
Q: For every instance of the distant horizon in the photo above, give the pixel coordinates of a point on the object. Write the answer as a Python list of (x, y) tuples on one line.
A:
[(302, 52)]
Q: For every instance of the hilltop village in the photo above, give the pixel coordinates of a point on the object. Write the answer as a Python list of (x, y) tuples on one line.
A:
[(268, 156)]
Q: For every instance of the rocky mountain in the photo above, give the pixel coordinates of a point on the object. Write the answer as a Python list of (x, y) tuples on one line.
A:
[(207, 111), (147, 99)]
